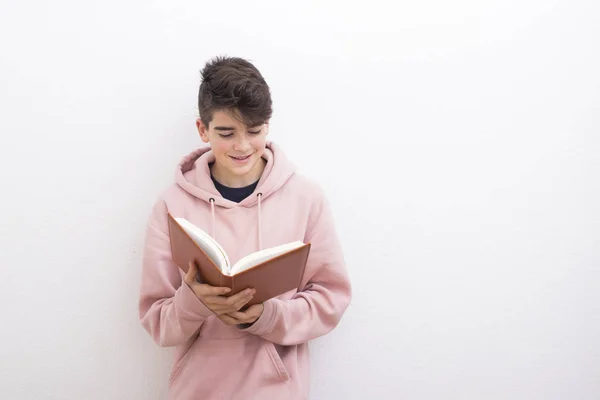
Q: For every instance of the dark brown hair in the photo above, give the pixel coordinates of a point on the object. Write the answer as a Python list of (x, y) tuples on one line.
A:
[(233, 84)]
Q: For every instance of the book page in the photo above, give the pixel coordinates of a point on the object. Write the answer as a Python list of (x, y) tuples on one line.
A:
[(263, 255), (207, 244)]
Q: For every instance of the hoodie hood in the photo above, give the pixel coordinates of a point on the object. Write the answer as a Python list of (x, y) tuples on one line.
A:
[(193, 176)]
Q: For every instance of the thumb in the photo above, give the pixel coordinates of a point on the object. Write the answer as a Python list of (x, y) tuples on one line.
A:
[(190, 275)]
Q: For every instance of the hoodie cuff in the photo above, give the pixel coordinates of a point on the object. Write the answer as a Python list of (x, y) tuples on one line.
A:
[(189, 304), (264, 324)]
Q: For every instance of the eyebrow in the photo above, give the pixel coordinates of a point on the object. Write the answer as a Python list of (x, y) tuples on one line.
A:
[(230, 128)]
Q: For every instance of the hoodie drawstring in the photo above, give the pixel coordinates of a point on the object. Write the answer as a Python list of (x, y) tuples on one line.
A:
[(259, 195), (214, 233), (212, 210)]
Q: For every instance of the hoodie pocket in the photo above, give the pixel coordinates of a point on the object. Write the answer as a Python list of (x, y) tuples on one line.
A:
[(277, 362), (182, 361)]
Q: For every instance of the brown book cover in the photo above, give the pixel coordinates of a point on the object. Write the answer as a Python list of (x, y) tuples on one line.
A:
[(270, 278)]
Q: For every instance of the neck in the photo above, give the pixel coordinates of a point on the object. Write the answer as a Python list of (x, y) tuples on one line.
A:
[(237, 181)]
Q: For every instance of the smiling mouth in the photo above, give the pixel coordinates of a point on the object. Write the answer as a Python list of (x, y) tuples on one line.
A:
[(242, 158)]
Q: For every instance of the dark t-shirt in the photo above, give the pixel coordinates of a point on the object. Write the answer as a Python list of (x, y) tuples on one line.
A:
[(234, 194)]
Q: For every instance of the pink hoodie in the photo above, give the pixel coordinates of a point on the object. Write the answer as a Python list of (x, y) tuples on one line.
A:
[(268, 360)]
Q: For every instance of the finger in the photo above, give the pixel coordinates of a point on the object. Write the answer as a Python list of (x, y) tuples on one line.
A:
[(228, 320), (254, 310), (248, 315), (190, 275), (231, 301), (248, 319), (239, 303), (241, 298), (241, 306), (226, 308), (240, 316), (206, 290)]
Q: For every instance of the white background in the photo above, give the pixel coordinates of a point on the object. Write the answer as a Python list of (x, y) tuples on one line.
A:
[(458, 143)]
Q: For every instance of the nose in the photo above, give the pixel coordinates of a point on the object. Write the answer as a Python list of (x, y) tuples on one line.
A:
[(241, 144)]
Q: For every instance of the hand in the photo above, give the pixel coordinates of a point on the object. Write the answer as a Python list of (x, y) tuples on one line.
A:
[(212, 296), (248, 316)]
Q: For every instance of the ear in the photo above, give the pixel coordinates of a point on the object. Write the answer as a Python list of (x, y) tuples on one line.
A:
[(202, 130), (267, 127)]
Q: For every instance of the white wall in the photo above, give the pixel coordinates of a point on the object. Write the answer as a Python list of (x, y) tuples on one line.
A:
[(458, 142)]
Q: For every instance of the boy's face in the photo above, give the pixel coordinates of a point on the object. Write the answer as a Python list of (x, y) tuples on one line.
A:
[(237, 148)]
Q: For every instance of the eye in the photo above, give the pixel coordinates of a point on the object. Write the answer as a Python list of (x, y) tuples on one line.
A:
[(254, 132), (226, 136)]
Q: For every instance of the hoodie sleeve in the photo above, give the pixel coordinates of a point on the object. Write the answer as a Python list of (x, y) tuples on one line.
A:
[(318, 308), (168, 309)]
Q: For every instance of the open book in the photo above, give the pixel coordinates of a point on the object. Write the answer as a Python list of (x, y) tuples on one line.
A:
[(272, 271)]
